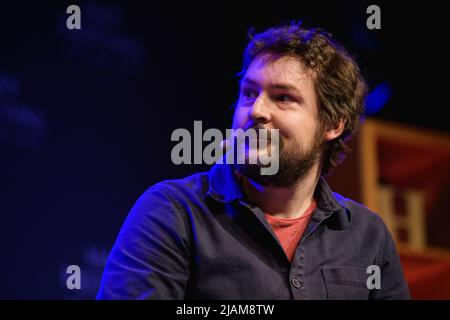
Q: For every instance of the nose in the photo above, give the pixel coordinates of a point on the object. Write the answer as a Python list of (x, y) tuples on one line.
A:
[(260, 112)]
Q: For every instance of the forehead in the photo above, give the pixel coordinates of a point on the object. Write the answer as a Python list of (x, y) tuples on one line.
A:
[(270, 69)]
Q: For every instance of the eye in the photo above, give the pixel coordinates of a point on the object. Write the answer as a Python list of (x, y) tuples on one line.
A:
[(284, 98), (249, 94)]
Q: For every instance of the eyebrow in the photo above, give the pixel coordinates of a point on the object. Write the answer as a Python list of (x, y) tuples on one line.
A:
[(284, 86)]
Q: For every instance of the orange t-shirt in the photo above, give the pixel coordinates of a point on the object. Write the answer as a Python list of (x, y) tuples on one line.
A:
[(290, 231)]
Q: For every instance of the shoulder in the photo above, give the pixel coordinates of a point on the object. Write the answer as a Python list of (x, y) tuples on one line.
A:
[(361, 216), (368, 228), (178, 191), (165, 203)]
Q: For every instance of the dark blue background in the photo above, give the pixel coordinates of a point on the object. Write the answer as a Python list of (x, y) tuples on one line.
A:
[(86, 115)]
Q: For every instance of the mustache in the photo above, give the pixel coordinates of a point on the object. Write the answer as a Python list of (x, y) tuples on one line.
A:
[(252, 125), (259, 128), (265, 138)]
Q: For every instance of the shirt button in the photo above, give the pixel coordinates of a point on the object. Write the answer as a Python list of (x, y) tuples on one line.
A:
[(296, 283)]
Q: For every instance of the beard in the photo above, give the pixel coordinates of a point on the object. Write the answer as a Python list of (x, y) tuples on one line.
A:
[(294, 163)]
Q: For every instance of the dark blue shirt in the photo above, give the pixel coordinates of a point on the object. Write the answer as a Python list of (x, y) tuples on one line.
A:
[(198, 238)]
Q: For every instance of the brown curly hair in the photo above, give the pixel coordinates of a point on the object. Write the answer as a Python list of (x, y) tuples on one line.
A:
[(339, 84)]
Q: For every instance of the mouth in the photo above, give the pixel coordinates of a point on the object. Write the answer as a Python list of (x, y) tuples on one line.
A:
[(257, 138), (259, 141)]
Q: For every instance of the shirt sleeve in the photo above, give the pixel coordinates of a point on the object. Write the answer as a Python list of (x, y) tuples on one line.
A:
[(150, 258), (393, 283)]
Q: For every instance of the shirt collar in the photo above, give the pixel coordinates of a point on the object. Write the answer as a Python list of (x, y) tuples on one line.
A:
[(224, 187), (223, 184)]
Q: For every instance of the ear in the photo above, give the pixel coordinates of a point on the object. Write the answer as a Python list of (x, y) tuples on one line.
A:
[(333, 133)]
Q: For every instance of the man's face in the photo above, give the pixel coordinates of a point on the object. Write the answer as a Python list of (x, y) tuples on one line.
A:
[(278, 93)]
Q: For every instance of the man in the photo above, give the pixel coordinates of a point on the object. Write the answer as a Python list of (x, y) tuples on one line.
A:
[(233, 233)]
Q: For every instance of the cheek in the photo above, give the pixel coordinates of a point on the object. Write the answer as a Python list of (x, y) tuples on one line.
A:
[(289, 127), (239, 118), (296, 131)]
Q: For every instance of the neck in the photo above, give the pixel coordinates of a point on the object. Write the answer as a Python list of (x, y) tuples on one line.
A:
[(283, 202)]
